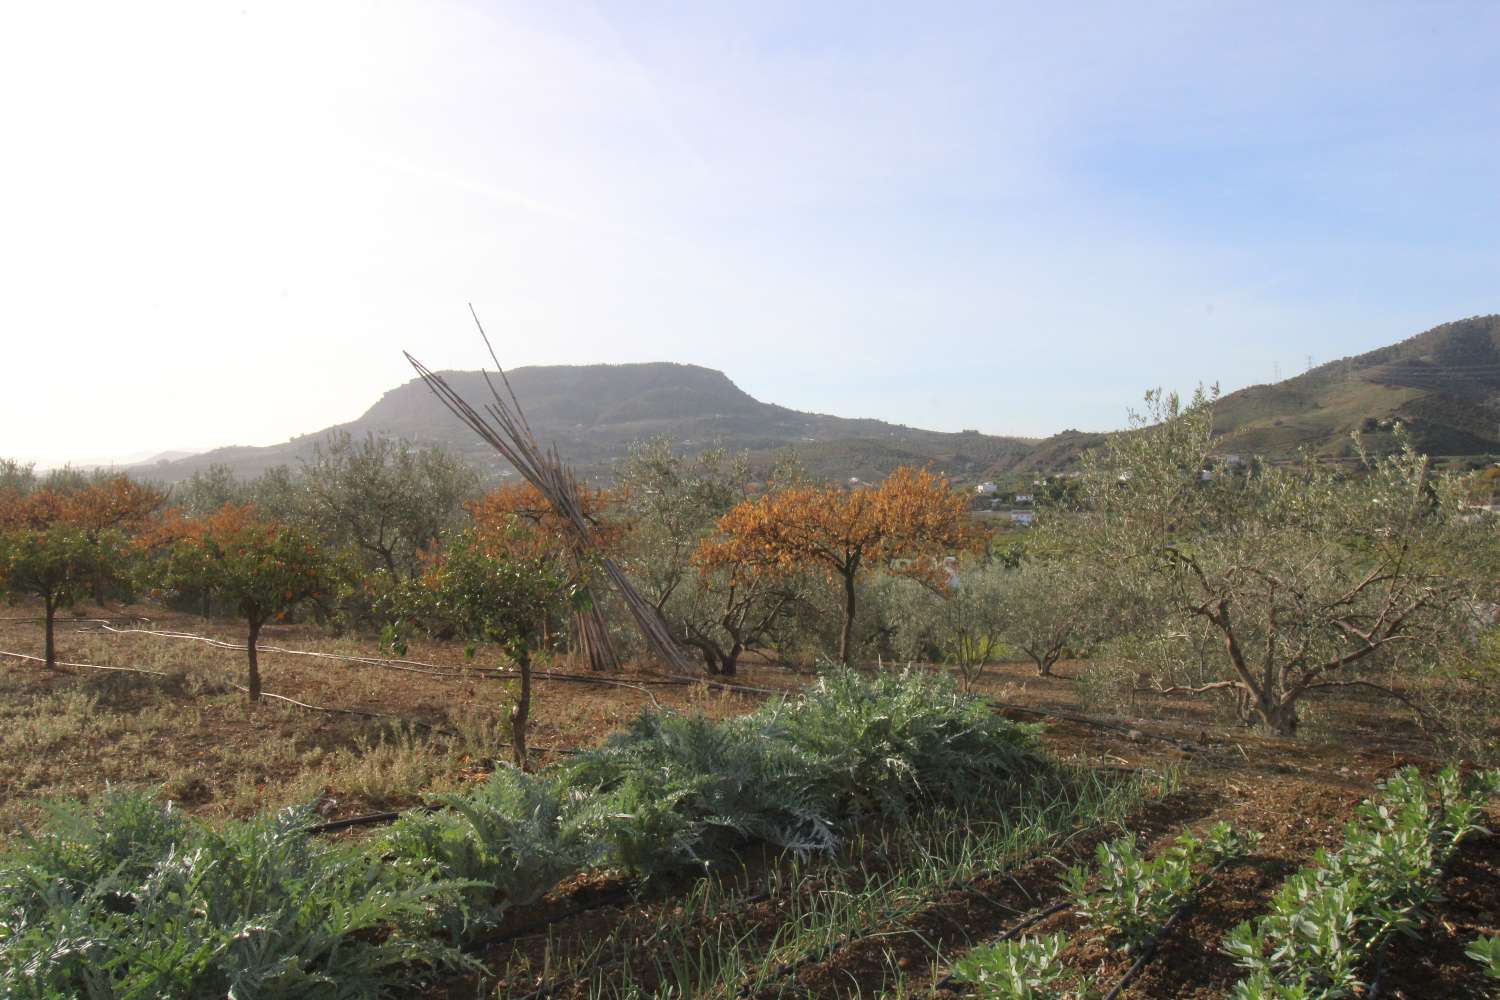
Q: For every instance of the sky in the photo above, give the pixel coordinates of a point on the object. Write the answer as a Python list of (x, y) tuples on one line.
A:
[(222, 223)]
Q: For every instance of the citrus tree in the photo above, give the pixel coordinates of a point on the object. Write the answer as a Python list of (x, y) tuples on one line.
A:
[(482, 592), (62, 546), (262, 568), (59, 564), (908, 524)]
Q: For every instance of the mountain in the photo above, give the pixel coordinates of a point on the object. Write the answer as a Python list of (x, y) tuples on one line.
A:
[(594, 412), (1443, 385)]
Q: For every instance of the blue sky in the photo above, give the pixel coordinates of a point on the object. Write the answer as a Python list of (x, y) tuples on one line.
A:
[(224, 221)]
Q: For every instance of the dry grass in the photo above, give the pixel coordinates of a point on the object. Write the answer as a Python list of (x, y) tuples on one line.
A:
[(71, 733)]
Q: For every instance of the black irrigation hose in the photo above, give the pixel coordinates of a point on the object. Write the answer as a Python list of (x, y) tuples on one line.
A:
[(1086, 720), (1375, 981), (369, 819), (610, 898), (1149, 952)]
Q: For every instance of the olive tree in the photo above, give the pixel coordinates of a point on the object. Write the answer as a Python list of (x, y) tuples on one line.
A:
[(671, 502), (384, 497), (1308, 578), (1048, 608), (961, 624)]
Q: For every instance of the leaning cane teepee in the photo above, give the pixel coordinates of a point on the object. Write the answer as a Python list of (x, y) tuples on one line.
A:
[(502, 424)]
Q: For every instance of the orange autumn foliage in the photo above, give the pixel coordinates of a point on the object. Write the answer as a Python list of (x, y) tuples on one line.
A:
[(517, 521), (115, 504), (907, 524)]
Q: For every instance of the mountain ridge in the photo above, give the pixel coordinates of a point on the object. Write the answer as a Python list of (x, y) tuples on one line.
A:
[(1443, 384), (593, 413)]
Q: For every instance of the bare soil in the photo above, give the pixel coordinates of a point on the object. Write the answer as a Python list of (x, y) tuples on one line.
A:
[(73, 731)]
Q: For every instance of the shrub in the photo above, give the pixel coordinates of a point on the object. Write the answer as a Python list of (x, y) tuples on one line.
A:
[(884, 743), (685, 791)]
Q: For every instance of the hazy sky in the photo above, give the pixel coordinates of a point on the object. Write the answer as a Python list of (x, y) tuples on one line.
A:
[(221, 223)]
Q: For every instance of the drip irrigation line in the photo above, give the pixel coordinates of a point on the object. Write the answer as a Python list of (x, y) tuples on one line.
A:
[(370, 819), (264, 694), (89, 666), (350, 711), (439, 670), (1380, 955), (413, 666), (1149, 952), (77, 621)]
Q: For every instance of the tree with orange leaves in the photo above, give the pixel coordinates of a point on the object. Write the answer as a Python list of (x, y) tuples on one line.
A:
[(264, 568), (517, 523), (907, 524), (517, 518), (60, 546)]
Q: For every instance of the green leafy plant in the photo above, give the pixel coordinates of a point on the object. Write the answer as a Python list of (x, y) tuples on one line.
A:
[(1133, 897), (1028, 969), (134, 900), (1486, 951), (1327, 920), (510, 840)]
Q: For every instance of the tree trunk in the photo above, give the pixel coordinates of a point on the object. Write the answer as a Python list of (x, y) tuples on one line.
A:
[(207, 603), (254, 662), (1280, 719), (846, 635), (730, 660), (520, 712), (51, 646)]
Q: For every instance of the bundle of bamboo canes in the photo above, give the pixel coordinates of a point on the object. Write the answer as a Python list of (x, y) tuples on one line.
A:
[(502, 424)]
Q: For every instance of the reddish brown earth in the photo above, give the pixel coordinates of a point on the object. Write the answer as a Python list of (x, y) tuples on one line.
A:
[(232, 758)]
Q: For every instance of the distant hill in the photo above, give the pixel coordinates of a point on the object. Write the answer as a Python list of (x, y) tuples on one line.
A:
[(1443, 385), (594, 412)]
